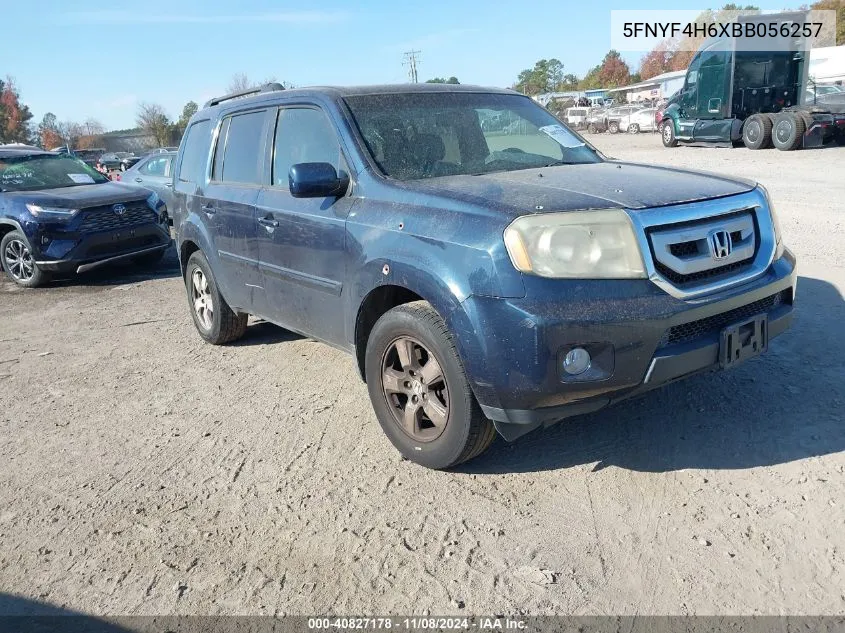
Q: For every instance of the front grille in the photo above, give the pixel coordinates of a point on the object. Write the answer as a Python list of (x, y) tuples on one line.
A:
[(693, 330), (105, 219), (704, 275), (683, 255)]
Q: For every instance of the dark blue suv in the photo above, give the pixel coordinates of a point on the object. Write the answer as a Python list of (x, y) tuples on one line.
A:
[(485, 277), (58, 215)]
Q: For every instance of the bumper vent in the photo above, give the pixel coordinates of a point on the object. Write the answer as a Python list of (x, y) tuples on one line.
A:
[(694, 330), (105, 219)]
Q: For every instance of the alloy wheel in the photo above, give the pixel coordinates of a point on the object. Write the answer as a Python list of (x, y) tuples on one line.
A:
[(414, 386), (19, 260), (202, 299)]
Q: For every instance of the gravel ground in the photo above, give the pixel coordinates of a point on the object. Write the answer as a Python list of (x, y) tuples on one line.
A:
[(145, 472)]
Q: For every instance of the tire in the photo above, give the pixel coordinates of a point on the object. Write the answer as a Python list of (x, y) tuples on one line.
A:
[(667, 133), (464, 432), (18, 262), (216, 322), (757, 132), (613, 127), (634, 128), (150, 259), (592, 129), (788, 131)]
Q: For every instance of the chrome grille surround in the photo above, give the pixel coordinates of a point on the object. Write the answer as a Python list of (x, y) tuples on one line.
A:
[(694, 221)]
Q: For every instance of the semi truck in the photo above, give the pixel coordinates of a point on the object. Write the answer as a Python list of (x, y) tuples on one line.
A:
[(734, 95)]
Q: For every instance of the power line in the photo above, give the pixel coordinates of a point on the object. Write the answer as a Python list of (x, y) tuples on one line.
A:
[(411, 61)]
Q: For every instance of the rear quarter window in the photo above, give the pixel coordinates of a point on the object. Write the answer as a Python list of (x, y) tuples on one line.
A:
[(195, 156)]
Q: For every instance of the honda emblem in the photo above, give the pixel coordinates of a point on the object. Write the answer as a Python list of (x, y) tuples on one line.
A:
[(720, 244)]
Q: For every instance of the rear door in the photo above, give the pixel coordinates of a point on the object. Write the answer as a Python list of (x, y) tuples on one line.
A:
[(302, 240), (238, 173), (154, 173)]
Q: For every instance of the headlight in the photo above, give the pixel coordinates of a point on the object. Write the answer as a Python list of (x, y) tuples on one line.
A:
[(576, 245), (51, 213)]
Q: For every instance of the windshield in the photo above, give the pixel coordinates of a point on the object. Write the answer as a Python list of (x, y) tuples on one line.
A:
[(414, 136), (45, 171)]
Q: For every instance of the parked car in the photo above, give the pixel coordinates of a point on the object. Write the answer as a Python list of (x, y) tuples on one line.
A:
[(613, 117), (576, 118), (164, 150), (155, 172), (118, 160), (482, 282), (58, 215), (639, 121)]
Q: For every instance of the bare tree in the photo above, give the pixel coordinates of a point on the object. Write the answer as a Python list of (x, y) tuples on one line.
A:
[(241, 82), (153, 120), (70, 133)]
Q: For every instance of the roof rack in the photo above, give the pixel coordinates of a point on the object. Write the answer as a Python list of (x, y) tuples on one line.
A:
[(271, 87)]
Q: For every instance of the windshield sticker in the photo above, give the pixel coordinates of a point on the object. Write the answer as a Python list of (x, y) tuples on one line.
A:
[(81, 179), (562, 136)]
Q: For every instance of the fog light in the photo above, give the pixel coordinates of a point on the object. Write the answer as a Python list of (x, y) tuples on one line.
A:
[(576, 361), (45, 240)]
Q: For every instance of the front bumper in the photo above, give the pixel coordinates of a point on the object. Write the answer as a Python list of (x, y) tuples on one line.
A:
[(515, 364), (69, 252)]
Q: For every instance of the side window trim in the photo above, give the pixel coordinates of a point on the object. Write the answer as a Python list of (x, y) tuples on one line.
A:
[(274, 135)]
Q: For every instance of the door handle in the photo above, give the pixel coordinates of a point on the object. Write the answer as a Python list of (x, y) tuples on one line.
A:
[(268, 222), (139, 180), (209, 209)]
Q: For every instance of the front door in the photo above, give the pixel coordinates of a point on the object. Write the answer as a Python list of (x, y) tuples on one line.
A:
[(302, 240)]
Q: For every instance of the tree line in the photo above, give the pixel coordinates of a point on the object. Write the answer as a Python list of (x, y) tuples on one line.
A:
[(548, 75)]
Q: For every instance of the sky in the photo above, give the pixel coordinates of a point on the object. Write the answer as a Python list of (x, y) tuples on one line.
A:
[(81, 59)]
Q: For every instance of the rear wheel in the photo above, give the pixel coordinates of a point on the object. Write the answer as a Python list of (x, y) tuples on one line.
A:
[(18, 262), (634, 128), (215, 321), (787, 131), (757, 132), (592, 129), (419, 390), (667, 134)]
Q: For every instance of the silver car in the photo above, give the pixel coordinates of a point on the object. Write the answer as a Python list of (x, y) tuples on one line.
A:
[(154, 172)]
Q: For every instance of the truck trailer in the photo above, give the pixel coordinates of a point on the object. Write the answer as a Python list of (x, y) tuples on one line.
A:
[(734, 94)]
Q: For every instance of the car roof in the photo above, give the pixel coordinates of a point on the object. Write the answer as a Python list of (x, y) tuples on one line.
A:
[(336, 92), (12, 152)]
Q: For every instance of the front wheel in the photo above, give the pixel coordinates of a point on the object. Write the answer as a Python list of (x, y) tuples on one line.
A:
[(18, 262), (667, 134), (613, 127), (419, 390), (634, 128), (215, 321)]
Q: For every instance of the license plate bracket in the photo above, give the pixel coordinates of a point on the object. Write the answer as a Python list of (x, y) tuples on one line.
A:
[(744, 340)]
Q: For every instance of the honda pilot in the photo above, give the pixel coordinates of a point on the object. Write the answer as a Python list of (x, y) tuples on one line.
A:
[(484, 282)]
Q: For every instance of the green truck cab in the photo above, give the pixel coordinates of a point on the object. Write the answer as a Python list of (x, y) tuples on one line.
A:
[(733, 94)]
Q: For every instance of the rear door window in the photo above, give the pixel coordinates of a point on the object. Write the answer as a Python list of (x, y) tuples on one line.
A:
[(195, 154), (243, 149), (155, 167)]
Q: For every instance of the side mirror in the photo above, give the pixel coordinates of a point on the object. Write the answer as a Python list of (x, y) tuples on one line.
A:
[(316, 180)]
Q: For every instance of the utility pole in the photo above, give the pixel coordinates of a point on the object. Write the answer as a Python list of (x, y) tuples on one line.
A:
[(411, 61)]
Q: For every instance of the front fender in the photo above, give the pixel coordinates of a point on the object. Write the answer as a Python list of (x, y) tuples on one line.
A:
[(443, 274)]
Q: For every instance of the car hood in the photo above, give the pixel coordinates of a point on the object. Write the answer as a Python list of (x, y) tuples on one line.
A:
[(604, 185), (81, 196)]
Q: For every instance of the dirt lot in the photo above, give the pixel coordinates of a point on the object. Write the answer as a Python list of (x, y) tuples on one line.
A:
[(145, 472)]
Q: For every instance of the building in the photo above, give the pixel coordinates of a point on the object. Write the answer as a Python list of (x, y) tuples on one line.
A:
[(659, 87), (827, 64)]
